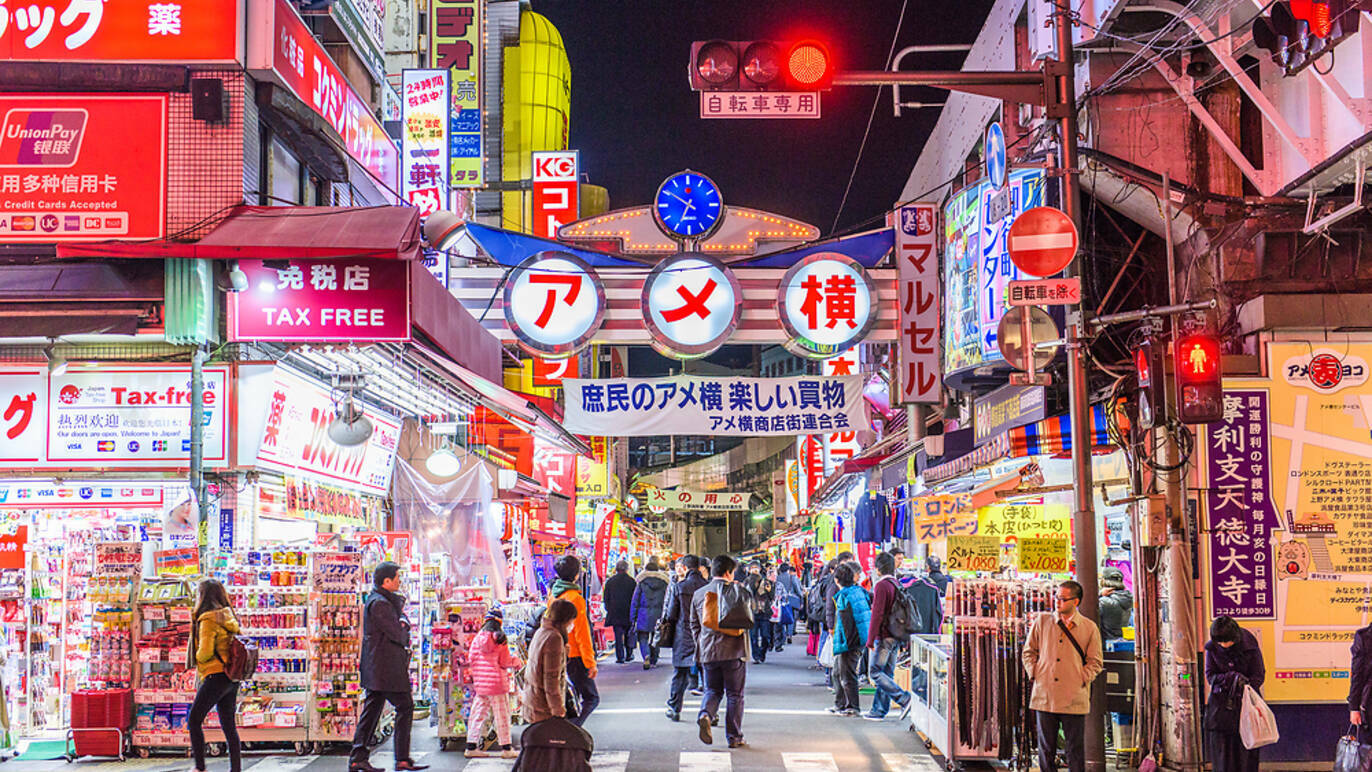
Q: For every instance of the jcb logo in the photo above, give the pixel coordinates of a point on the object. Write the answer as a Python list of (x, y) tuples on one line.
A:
[(554, 166)]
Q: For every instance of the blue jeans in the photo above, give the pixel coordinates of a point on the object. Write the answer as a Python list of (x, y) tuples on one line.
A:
[(882, 671), (761, 635), (721, 679)]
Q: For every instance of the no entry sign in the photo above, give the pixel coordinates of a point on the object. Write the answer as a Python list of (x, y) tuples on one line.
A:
[(1042, 241)]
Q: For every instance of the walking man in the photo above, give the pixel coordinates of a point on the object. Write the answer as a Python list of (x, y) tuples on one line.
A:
[(788, 584), (722, 653), (645, 608), (763, 591), (581, 667), (385, 670), (677, 609), (884, 640), (618, 594), (1062, 657)]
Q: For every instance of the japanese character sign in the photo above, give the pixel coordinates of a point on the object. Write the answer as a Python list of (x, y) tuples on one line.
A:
[(658, 499), (557, 191), (827, 303), (100, 30), (454, 37), (424, 142), (322, 300), (691, 304), (635, 407), (23, 415), (920, 375), (554, 303), (1325, 370), (1240, 513)]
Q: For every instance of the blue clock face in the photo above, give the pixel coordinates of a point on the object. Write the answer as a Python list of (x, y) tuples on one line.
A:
[(688, 205)]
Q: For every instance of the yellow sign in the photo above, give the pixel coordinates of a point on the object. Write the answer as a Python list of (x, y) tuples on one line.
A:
[(1046, 556), (832, 549), (939, 517), (973, 553), (1009, 522), (455, 40)]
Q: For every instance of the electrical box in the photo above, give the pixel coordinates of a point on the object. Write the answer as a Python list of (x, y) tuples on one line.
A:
[(1150, 517)]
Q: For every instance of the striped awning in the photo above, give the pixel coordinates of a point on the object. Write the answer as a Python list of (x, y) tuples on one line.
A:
[(1054, 435)]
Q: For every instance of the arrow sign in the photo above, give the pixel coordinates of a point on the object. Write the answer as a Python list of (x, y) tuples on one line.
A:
[(1043, 292), (1042, 241)]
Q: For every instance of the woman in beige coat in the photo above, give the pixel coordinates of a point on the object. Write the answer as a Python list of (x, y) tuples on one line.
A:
[(547, 670)]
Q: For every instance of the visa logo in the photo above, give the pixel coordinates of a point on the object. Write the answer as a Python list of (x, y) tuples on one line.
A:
[(73, 446)]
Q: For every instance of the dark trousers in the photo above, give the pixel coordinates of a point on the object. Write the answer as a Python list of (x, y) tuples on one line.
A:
[(646, 647), (761, 637), (677, 694), (372, 706), (725, 680), (845, 680), (1073, 729), (624, 647), (585, 688), (219, 692)]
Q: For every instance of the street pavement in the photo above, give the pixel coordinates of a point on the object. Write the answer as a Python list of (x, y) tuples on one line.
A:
[(785, 725)]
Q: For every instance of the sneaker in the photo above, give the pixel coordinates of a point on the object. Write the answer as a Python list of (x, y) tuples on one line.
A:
[(705, 736), (509, 753), (697, 692), (852, 712), (833, 709), (673, 715), (714, 720), (905, 709), (872, 717), (739, 743)]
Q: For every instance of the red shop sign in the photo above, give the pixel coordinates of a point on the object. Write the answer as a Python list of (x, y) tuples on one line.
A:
[(119, 30), (68, 171), (292, 56), (322, 300), (12, 547)]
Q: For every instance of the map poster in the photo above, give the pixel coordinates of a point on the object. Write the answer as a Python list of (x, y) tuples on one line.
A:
[(1318, 554)]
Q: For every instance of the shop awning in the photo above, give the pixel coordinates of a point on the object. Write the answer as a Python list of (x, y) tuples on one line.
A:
[(1048, 437), (283, 233), (510, 248)]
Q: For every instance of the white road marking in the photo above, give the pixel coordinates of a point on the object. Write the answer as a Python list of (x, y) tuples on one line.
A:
[(706, 761), (609, 761), (910, 762), (809, 762), (283, 763), (689, 709), (488, 765)]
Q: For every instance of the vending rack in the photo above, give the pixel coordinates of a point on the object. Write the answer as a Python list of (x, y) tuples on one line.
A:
[(459, 621), (164, 684)]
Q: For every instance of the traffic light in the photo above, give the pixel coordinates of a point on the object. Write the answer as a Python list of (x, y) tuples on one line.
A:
[(761, 65), (1200, 387), (1297, 32), (1152, 392)]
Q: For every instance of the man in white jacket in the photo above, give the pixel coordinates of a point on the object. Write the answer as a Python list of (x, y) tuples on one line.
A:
[(1062, 657)]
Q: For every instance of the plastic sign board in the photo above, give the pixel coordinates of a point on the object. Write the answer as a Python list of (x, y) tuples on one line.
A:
[(691, 305), (1044, 292), (69, 173), (1042, 241), (455, 38), (556, 199), (996, 163), (759, 104), (1045, 556), (288, 53), (827, 303), (172, 31), (554, 303), (841, 446), (424, 139), (322, 300), (920, 378), (973, 553)]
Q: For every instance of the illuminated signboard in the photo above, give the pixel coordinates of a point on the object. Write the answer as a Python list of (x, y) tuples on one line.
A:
[(917, 259), (826, 304), (554, 303), (85, 31), (977, 270), (322, 300), (424, 142), (691, 304), (556, 199), (455, 45)]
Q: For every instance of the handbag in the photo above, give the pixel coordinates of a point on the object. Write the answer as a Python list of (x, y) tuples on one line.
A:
[(1351, 755), (826, 654), (735, 607), (664, 634), (776, 610), (1257, 725)]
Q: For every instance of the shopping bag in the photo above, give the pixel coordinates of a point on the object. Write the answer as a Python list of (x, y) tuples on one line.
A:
[(664, 634), (826, 654), (1257, 725), (776, 610), (1351, 755)]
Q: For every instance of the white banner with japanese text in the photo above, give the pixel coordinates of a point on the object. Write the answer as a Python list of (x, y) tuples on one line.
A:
[(732, 407), (687, 499), (917, 256)]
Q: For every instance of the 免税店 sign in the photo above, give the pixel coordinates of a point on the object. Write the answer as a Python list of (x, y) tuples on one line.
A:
[(322, 300), (68, 173), (736, 407), (180, 31)]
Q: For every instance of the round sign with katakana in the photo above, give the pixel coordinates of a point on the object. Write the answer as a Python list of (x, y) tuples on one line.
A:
[(691, 305), (554, 303), (827, 303)]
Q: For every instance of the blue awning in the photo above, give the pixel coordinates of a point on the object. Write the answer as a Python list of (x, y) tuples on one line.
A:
[(510, 248), (867, 248)]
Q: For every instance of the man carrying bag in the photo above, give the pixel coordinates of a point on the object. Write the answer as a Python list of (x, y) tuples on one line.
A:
[(720, 618)]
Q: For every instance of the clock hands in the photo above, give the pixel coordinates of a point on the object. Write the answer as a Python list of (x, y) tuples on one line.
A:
[(689, 205)]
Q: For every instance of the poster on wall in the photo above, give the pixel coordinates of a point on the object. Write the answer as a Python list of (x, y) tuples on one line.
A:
[(1291, 462)]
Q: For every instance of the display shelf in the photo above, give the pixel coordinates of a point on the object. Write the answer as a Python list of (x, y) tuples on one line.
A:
[(336, 645)]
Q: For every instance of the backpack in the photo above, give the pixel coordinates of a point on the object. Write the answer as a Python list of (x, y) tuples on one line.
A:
[(242, 662), (554, 745), (814, 599), (902, 621)]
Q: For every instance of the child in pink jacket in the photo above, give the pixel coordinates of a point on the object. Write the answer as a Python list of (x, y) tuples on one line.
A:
[(490, 665)]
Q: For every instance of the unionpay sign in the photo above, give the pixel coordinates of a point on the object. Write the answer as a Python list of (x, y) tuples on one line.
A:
[(68, 173)]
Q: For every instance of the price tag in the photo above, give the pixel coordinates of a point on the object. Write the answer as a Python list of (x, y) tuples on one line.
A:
[(180, 613), (154, 612), (251, 718), (149, 655), (973, 553), (1047, 556)]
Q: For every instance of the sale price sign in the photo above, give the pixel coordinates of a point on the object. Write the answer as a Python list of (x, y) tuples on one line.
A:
[(973, 553), (1045, 556)]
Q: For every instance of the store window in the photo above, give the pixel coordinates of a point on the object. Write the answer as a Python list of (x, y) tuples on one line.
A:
[(283, 176)]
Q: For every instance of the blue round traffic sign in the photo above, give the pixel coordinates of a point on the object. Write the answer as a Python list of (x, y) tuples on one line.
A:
[(996, 165)]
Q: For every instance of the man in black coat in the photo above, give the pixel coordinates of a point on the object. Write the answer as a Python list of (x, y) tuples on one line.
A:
[(677, 608), (385, 670), (618, 594)]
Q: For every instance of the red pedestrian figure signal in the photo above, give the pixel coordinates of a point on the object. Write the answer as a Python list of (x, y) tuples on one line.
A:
[(1200, 388)]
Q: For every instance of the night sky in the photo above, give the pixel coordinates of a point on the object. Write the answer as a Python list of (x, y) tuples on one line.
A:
[(636, 120)]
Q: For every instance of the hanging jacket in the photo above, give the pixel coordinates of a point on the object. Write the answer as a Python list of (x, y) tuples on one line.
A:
[(490, 665), (646, 606), (851, 602), (210, 644)]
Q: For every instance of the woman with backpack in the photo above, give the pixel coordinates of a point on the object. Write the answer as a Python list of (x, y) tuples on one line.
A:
[(212, 633)]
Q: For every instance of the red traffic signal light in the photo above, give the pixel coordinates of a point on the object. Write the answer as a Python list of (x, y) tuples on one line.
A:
[(1200, 379), (760, 65)]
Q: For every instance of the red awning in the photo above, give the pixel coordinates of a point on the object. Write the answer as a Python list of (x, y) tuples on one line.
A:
[(282, 233)]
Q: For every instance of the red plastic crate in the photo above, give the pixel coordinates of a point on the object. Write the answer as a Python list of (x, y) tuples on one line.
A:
[(97, 742), (102, 709)]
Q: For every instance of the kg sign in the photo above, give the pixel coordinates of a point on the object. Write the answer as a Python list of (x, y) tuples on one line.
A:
[(1325, 371), (555, 201), (554, 303), (827, 303), (691, 305)]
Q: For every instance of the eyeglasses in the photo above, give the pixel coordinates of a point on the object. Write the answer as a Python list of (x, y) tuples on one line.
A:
[(1061, 599)]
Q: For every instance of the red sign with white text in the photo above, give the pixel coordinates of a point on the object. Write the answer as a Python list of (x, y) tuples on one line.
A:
[(121, 30), (556, 200), (298, 61), (68, 171), (550, 372), (322, 300)]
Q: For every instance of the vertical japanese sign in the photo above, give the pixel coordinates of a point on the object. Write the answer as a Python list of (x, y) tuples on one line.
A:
[(455, 39), (556, 200), (424, 143), (155, 31), (1239, 505), (68, 173), (920, 374), (841, 446)]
